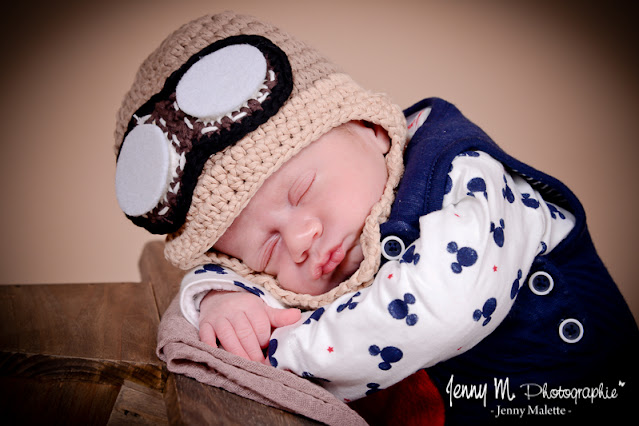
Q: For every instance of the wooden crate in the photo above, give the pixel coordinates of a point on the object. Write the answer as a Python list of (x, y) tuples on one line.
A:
[(85, 354)]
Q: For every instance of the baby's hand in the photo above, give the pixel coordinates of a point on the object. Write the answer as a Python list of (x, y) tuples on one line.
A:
[(241, 322)]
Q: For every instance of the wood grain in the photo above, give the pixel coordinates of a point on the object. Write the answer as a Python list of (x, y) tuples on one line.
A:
[(85, 354), (138, 405), (28, 401), (72, 369), (99, 321), (163, 277)]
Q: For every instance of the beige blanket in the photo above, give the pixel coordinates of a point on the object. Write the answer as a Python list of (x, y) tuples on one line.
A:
[(180, 347)]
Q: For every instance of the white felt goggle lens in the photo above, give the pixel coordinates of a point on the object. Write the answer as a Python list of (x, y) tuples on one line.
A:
[(143, 170), (222, 81)]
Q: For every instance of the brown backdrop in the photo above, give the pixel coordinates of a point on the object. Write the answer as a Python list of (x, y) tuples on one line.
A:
[(554, 85)]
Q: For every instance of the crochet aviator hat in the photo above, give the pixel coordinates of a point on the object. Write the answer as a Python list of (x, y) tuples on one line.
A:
[(216, 109)]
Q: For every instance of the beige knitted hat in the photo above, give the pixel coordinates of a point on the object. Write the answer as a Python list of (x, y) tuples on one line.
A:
[(216, 109)]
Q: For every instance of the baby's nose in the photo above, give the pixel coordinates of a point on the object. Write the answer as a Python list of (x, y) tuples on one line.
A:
[(300, 235)]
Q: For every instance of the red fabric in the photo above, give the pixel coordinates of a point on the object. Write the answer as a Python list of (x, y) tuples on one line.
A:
[(413, 401)]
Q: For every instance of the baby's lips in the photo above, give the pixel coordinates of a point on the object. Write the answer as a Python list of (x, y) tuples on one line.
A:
[(336, 257)]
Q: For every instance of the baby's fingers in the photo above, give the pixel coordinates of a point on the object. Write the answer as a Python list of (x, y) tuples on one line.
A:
[(261, 324), (207, 334), (228, 338), (283, 317), (237, 336)]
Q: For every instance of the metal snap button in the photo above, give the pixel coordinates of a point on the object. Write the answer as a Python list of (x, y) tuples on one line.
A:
[(392, 247), (541, 283)]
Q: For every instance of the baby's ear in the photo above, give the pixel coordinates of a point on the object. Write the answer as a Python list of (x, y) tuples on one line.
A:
[(378, 136)]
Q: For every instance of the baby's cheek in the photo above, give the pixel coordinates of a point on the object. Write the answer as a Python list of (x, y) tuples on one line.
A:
[(289, 279), (351, 263), (355, 255)]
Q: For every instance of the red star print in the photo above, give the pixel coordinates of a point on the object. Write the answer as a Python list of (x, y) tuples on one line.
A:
[(495, 268), (330, 349), (390, 276)]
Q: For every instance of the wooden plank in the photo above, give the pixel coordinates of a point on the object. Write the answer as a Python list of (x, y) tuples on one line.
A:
[(63, 369), (85, 354), (28, 401), (163, 277), (189, 402), (138, 405), (95, 321), (66, 349)]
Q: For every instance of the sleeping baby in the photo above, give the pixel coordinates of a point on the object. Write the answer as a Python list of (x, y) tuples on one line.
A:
[(328, 233)]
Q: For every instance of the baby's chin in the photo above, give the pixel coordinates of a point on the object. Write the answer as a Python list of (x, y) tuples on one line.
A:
[(347, 268)]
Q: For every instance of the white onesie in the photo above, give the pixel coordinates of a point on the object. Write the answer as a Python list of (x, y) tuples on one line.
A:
[(449, 290)]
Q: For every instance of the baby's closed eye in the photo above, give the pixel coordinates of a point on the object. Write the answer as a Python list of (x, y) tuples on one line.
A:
[(300, 187), (266, 251)]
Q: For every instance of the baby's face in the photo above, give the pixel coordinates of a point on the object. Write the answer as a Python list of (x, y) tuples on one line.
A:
[(304, 224)]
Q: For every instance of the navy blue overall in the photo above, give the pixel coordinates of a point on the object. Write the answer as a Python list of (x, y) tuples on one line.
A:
[(579, 334)]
